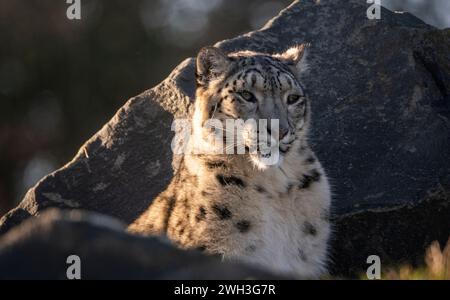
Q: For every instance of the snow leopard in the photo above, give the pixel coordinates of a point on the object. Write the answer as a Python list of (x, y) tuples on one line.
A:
[(237, 205)]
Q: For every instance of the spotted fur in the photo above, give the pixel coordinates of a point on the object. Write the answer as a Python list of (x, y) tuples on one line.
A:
[(274, 216)]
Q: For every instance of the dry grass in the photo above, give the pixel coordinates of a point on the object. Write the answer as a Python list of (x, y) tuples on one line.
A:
[(437, 266)]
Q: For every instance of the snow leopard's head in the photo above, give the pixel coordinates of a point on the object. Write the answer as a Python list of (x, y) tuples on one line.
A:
[(251, 87)]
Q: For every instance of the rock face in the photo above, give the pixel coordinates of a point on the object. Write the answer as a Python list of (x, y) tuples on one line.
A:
[(39, 250), (380, 92)]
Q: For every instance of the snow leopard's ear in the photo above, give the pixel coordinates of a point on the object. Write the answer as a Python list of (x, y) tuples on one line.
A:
[(211, 62), (296, 58)]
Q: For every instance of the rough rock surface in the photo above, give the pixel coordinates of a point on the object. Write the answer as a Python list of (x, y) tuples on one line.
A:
[(39, 250), (380, 92)]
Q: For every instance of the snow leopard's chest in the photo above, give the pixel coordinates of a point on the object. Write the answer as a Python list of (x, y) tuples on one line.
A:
[(289, 239), (273, 219)]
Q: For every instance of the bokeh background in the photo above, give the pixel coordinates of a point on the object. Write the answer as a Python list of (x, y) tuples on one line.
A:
[(61, 80)]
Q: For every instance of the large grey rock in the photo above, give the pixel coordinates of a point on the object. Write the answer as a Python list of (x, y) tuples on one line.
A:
[(380, 92), (39, 250)]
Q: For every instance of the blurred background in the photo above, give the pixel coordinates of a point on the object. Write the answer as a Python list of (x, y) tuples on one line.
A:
[(61, 80)]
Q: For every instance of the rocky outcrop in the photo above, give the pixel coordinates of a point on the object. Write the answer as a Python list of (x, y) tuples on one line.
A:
[(381, 108), (40, 248)]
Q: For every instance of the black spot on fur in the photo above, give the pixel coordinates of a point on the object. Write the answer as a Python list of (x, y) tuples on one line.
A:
[(308, 179), (260, 189), (310, 160), (215, 164), (309, 229), (290, 83), (211, 111), (284, 151), (186, 203), (205, 194), (230, 180), (254, 79), (222, 212), (201, 215), (302, 255), (289, 188), (170, 207), (243, 226)]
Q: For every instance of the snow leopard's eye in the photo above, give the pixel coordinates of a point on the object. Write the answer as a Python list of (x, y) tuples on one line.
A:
[(247, 96), (293, 99)]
